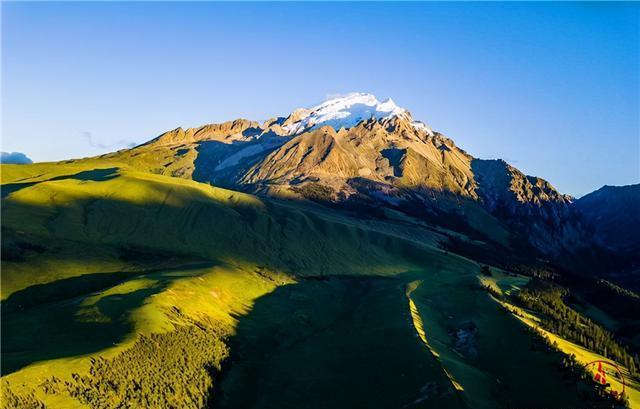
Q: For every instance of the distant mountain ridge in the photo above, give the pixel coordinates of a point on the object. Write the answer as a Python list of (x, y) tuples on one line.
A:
[(615, 213), (358, 149)]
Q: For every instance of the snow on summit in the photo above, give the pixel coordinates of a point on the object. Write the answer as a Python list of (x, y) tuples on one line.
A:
[(346, 111)]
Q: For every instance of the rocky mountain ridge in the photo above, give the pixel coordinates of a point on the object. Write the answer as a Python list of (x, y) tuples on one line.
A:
[(357, 149)]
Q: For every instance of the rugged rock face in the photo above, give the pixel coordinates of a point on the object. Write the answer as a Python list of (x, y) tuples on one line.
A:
[(240, 129), (356, 147), (384, 151), (531, 205)]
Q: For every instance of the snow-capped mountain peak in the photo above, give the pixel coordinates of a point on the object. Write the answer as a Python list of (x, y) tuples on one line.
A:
[(347, 111)]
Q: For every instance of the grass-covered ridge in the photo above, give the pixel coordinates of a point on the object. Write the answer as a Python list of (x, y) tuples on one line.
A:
[(125, 288), (114, 207), (95, 258)]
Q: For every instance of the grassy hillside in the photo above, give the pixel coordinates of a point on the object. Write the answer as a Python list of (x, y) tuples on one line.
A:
[(123, 288), (510, 290), (160, 214)]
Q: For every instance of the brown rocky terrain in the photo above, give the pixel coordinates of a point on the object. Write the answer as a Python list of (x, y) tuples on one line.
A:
[(377, 155)]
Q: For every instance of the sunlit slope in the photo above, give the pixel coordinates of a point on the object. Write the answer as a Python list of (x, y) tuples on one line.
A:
[(123, 208), (116, 276), (165, 329), (98, 256)]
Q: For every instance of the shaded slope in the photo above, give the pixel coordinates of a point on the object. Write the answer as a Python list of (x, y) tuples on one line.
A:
[(532, 206), (256, 246), (350, 342), (614, 212), (340, 342)]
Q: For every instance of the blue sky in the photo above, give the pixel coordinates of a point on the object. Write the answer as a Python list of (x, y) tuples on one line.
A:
[(552, 88)]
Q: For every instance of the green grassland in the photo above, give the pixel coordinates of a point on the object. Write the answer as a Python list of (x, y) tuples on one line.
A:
[(123, 288), (496, 366), (505, 284)]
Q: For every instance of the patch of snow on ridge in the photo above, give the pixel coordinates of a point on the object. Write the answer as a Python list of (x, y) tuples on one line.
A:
[(251, 150), (347, 111), (421, 126)]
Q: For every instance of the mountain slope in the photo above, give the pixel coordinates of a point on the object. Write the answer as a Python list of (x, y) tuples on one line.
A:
[(124, 288), (530, 205), (355, 149), (614, 211)]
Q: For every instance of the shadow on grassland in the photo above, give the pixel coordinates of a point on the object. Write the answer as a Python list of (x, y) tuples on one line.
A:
[(334, 342), (54, 320)]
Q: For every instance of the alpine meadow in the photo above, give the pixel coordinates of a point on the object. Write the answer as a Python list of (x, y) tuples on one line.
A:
[(343, 255)]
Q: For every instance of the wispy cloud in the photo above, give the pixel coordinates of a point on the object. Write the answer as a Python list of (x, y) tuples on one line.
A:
[(122, 143)]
